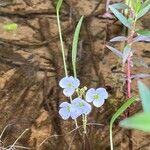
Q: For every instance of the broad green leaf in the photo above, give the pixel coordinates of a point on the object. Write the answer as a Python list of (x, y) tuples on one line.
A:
[(139, 121), (126, 52), (144, 32), (143, 11), (10, 26), (59, 3), (120, 16), (117, 114), (119, 6), (75, 45), (145, 96)]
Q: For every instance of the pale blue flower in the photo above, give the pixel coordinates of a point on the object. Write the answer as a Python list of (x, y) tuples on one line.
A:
[(65, 110), (97, 96), (68, 110), (81, 106), (69, 84), (77, 108)]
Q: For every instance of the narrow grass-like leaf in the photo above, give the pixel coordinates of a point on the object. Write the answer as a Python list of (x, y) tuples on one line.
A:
[(119, 6), (10, 26), (143, 11), (144, 32), (120, 16), (117, 114), (59, 3), (139, 121), (118, 39), (75, 45), (145, 96), (115, 51), (126, 53)]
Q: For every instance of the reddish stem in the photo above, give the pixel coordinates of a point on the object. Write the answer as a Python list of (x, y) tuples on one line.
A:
[(129, 77)]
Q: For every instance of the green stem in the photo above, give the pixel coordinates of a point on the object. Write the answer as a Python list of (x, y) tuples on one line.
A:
[(62, 45), (63, 53), (111, 138), (84, 119)]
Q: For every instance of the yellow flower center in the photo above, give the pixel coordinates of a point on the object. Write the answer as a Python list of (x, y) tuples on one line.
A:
[(97, 96)]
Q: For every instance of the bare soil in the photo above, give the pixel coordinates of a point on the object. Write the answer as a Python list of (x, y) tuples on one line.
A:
[(31, 67)]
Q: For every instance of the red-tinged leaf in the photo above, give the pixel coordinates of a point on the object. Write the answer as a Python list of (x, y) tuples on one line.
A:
[(115, 51), (142, 75), (141, 38), (126, 53), (118, 39)]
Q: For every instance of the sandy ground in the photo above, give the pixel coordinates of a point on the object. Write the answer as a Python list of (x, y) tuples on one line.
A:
[(31, 67)]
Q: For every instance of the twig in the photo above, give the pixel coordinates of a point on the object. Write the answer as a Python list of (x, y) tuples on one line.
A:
[(4, 130)]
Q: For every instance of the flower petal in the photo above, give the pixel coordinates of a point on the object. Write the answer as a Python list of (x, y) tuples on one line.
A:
[(75, 82), (89, 95), (103, 93), (64, 104), (98, 103), (82, 106), (76, 101), (86, 109), (75, 112), (63, 82), (68, 91), (64, 113)]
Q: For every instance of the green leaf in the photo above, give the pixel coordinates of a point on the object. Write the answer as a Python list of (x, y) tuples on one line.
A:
[(10, 26), (59, 3), (144, 32), (147, 2), (145, 96), (75, 45), (138, 6), (120, 16), (143, 11), (119, 6), (117, 114), (126, 52), (139, 121)]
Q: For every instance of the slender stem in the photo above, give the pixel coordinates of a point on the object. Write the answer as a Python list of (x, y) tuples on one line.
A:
[(62, 45), (4, 131), (75, 73), (129, 77), (84, 123), (111, 139), (63, 53), (19, 137), (76, 123)]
